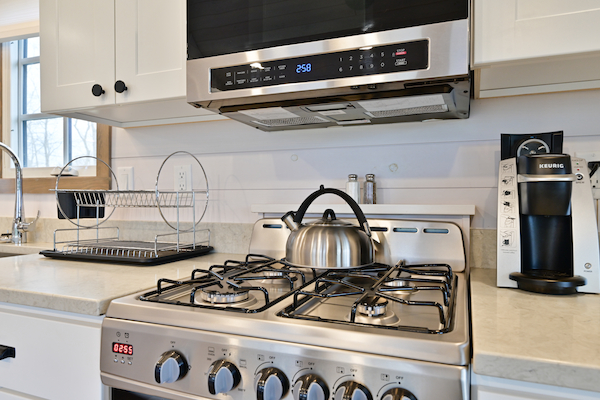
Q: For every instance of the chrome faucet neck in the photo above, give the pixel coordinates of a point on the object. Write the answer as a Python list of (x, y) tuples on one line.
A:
[(18, 234)]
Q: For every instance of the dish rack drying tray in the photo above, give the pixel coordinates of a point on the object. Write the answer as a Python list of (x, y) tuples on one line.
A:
[(102, 243)]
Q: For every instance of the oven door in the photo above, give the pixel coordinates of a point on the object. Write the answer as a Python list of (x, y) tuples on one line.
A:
[(120, 394), (218, 27)]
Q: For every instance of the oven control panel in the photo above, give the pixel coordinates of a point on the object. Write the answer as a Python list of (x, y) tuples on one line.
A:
[(155, 360)]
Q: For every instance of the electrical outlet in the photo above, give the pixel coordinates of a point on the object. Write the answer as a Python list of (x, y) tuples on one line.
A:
[(596, 185), (125, 177), (593, 157), (183, 178)]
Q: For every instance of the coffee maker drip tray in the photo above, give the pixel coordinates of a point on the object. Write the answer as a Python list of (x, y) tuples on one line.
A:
[(547, 282)]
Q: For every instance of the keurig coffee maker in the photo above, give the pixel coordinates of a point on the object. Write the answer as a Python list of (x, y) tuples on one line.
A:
[(547, 233)]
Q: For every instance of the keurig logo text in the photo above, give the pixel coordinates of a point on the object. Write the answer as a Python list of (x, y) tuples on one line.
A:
[(552, 165)]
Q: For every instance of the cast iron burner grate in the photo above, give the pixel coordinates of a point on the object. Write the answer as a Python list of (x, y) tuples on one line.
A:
[(365, 289), (266, 280)]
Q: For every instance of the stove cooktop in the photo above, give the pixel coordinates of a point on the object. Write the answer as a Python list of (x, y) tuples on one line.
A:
[(384, 328), (415, 298)]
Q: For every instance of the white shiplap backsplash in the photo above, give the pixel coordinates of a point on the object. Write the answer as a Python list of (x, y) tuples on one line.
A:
[(449, 162)]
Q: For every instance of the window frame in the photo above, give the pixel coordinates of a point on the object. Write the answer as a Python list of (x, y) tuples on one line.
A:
[(42, 185)]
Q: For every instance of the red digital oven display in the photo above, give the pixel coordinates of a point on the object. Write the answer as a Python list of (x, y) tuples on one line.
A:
[(122, 348)]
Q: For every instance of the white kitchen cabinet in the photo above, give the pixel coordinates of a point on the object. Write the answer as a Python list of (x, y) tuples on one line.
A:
[(141, 43), (535, 46), (57, 355)]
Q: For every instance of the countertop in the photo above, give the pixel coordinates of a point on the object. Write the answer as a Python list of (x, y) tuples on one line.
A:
[(85, 287), (518, 335), (25, 248), (548, 339)]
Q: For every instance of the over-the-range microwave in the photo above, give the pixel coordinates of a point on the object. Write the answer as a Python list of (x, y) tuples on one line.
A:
[(289, 64)]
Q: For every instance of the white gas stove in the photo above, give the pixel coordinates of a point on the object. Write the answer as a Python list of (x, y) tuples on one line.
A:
[(261, 329)]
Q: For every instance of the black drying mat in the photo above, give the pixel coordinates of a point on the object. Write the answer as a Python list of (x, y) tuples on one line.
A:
[(164, 256)]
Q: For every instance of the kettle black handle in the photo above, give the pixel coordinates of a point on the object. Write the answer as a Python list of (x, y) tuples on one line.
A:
[(355, 207)]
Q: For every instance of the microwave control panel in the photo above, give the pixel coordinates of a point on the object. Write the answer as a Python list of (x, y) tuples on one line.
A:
[(400, 57)]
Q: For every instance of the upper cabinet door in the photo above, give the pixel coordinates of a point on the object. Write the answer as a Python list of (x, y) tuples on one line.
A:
[(514, 30), (77, 52), (150, 49)]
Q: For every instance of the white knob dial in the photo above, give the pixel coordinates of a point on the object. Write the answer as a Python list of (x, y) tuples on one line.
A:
[(223, 377), (310, 387), (271, 384), (170, 367), (398, 394), (351, 390)]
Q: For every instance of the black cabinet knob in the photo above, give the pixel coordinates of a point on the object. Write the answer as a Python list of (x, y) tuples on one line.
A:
[(120, 87), (7, 352), (97, 90)]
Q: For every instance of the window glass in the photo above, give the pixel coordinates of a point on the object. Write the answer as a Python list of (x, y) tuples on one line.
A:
[(31, 101), (43, 142), (32, 47), (83, 142)]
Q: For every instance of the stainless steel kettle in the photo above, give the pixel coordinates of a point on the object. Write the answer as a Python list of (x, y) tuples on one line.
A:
[(328, 242)]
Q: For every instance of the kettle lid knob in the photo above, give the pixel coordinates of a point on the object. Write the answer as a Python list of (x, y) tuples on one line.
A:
[(329, 214)]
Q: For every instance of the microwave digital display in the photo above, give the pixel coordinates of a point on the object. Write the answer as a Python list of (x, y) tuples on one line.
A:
[(360, 62)]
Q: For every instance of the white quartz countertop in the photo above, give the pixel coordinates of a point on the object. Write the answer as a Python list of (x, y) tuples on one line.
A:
[(85, 287), (548, 339), (25, 248)]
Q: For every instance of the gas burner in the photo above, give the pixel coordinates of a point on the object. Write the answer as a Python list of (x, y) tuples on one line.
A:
[(223, 296), (373, 310), (372, 306), (275, 277), (387, 319), (417, 295), (402, 280), (248, 286), (272, 273)]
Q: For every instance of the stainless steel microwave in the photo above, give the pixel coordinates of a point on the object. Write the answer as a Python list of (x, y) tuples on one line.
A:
[(289, 64)]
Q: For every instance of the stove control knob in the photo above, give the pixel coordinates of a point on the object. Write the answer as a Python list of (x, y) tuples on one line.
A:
[(271, 384), (351, 390), (398, 394), (310, 387), (223, 376), (170, 367)]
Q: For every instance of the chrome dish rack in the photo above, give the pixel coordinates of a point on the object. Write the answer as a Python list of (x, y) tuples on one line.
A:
[(103, 243)]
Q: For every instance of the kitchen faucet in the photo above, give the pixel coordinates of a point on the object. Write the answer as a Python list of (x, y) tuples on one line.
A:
[(20, 227)]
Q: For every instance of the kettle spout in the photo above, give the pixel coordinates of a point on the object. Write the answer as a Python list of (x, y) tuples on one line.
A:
[(288, 219)]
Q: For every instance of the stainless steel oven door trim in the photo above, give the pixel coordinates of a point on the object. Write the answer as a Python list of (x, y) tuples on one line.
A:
[(449, 57), (144, 388)]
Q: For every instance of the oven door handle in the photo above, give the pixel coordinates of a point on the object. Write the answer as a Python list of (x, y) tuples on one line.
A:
[(7, 352)]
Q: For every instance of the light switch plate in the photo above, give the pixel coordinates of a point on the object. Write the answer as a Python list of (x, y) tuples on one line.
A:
[(125, 177)]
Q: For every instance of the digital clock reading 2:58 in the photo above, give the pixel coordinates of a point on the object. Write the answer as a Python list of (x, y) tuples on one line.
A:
[(122, 348), (300, 68)]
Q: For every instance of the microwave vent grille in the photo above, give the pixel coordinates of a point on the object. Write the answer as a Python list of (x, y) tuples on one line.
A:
[(291, 121), (409, 111)]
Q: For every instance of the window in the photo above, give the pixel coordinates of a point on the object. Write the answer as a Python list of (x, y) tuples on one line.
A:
[(43, 141)]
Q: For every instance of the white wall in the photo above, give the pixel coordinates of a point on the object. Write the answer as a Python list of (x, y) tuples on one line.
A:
[(449, 162)]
